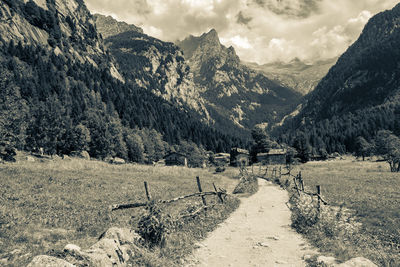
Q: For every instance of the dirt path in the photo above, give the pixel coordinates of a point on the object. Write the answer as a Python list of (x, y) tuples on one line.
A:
[(258, 233)]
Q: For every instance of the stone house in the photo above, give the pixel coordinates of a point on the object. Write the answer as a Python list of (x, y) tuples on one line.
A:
[(175, 159), (274, 156), (239, 157)]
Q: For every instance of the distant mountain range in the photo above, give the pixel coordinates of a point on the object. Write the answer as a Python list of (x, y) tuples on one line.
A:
[(360, 94), (206, 77), (296, 74)]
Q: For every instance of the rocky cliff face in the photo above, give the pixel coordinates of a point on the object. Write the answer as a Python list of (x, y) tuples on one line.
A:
[(107, 26), (233, 90), (296, 74), (63, 26), (151, 64)]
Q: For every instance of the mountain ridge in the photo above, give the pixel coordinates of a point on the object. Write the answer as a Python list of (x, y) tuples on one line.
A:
[(230, 88), (302, 77), (359, 96), (151, 64)]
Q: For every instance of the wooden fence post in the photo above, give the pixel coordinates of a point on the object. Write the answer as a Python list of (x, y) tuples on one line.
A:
[(218, 194), (301, 181), (319, 197), (147, 191), (201, 190), (295, 185)]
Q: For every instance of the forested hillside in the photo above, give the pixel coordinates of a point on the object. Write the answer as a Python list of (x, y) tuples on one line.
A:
[(151, 64), (60, 91), (359, 96)]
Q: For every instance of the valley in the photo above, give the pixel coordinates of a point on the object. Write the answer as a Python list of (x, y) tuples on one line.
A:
[(182, 126)]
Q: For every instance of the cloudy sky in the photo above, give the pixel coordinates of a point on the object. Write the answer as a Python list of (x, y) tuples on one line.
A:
[(260, 30)]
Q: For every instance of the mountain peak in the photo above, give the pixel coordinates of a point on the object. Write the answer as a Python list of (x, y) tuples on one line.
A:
[(211, 36), (108, 26), (212, 32)]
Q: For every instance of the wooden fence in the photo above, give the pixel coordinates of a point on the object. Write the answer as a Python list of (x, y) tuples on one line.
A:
[(219, 193), (274, 174)]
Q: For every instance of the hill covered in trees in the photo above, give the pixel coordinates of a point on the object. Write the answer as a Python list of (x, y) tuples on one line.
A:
[(151, 64), (359, 96), (60, 90)]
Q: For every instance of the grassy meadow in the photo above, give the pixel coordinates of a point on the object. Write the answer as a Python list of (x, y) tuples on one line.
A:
[(47, 204), (372, 192)]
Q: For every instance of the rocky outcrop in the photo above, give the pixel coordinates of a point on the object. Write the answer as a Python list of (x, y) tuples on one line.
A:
[(355, 262), (65, 27), (108, 26), (151, 64), (114, 248), (48, 261)]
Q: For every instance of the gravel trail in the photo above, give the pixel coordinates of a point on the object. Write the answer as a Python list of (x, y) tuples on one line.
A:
[(258, 233)]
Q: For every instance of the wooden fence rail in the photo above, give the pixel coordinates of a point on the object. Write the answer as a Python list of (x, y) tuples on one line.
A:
[(298, 182), (220, 193)]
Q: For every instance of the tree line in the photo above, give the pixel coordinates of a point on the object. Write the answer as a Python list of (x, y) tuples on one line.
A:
[(56, 103)]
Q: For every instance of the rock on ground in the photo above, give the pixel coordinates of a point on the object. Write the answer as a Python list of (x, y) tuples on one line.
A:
[(48, 261), (357, 262), (326, 261), (114, 248)]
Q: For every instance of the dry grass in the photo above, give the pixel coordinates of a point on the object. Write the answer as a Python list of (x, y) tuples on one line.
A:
[(372, 192), (46, 205)]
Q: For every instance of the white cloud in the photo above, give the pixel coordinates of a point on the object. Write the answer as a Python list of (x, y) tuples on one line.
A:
[(241, 42), (267, 30), (328, 43)]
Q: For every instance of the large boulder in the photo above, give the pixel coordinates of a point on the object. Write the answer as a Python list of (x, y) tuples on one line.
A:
[(123, 235), (30, 158), (114, 248), (117, 161), (48, 261), (326, 261), (357, 262)]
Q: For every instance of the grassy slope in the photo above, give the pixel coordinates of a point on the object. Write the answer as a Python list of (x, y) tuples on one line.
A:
[(372, 191), (45, 205)]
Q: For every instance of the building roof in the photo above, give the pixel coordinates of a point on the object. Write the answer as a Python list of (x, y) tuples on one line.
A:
[(222, 155), (273, 152), (240, 150), (277, 151), (176, 153)]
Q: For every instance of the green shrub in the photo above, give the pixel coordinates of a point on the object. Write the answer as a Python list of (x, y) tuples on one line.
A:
[(304, 215), (153, 226), (247, 184)]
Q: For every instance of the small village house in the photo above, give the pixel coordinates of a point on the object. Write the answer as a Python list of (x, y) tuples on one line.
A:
[(274, 156), (221, 159), (175, 159), (239, 157)]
